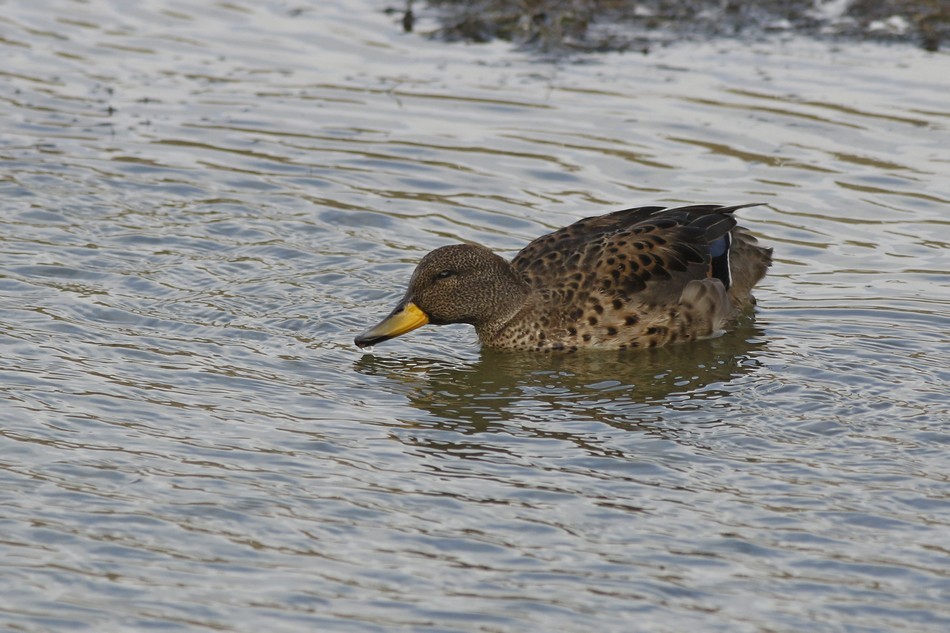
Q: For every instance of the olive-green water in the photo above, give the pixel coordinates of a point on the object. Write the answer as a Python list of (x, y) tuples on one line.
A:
[(202, 204)]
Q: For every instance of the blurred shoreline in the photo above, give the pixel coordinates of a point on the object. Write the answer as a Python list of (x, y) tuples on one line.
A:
[(620, 25)]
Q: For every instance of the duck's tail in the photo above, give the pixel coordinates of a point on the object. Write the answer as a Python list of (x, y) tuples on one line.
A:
[(735, 258), (747, 263)]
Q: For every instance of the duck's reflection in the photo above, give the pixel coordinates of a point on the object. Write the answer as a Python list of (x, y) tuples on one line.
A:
[(622, 389)]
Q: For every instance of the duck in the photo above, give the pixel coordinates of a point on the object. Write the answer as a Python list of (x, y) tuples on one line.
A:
[(641, 277)]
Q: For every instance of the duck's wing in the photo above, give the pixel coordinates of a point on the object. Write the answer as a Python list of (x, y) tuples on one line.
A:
[(651, 252)]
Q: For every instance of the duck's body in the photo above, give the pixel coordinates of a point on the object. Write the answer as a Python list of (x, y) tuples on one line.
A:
[(640, 277)]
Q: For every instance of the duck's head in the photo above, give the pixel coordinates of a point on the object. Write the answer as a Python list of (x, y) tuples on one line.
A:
[(462, 283)]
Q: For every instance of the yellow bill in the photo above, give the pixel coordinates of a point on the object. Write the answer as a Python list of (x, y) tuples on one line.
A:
[(404, 318)]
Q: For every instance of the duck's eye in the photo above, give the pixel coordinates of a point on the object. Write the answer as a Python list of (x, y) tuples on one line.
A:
[(444, 274)]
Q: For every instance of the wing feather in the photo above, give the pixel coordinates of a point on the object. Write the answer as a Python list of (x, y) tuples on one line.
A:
[(626, 254)]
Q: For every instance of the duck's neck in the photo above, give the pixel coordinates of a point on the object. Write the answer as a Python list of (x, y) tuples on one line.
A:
[(513, 299)]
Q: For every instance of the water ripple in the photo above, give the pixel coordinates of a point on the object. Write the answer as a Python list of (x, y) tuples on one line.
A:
[(205, 203)]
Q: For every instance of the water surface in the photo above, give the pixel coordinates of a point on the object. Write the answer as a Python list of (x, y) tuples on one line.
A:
[(202, 207)]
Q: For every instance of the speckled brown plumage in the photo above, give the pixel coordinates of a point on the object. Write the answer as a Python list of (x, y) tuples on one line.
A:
[(640, 277)]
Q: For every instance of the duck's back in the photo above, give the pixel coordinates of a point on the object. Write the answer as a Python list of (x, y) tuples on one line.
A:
[(638, 277)]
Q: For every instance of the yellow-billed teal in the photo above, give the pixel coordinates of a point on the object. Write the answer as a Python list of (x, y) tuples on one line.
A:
[(640, 277)]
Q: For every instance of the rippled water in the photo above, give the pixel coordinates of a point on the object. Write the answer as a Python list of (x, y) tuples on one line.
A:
[(202, 206)]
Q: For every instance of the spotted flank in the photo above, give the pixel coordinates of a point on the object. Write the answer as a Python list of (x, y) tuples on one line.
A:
[(640, 277)]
